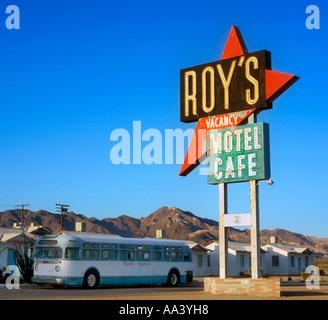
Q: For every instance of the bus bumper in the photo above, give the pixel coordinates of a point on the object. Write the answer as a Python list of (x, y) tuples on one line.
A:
[(57, 281), (47, 280)]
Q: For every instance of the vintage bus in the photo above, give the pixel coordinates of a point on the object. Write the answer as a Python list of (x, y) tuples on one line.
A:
[(89, 261)]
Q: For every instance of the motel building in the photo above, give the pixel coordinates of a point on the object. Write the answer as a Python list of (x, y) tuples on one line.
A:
[(275, 259), (285, 259), (239, 259), (12, 238)]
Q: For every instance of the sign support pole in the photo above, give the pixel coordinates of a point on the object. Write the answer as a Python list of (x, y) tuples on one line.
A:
[(223, 231), (255, 225)]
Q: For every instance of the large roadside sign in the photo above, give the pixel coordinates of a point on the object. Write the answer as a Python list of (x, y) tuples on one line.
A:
[(224, 98)]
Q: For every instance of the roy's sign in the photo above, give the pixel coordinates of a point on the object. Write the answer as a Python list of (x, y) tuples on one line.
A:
[(238, 154), (225, 86)]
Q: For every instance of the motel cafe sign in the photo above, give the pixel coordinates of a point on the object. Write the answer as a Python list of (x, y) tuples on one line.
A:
[(238, 154)]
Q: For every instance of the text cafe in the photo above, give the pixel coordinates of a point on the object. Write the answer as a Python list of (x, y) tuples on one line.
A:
[(238, 153)]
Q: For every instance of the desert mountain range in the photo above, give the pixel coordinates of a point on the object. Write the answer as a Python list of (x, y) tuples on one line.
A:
[(176, 223)]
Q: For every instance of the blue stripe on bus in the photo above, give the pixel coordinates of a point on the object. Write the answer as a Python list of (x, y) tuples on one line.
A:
[(116, 280)]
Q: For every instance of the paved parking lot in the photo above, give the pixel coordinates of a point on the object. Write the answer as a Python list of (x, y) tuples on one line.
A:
[(289, 291)]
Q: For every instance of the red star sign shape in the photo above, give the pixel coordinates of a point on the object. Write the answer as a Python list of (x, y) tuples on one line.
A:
[(275, 84)]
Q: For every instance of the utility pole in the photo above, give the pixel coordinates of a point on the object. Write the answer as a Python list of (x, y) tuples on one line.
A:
[(62, 208), (22, 212)]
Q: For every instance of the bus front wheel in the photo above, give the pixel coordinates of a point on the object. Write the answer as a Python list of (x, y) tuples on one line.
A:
[(91, 279)]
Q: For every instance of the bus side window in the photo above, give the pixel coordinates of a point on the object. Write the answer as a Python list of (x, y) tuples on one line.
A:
[(166, 255), (95, 254), (146, 255), (139, 255), (157, 255), (123, 254), (173, 256), (112, 254), (131, 255), (72, 253), (179, 256), (105, 254), (86, 253), (186, 256)]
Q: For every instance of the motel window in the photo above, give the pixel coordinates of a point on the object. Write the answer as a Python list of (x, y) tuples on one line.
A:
[(306, 261), (275, 261), (199, 260), (208, 260), (242, 261), (292, 261)]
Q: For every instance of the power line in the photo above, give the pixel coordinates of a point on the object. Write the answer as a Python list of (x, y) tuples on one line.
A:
[(62, 208), (22, 212)]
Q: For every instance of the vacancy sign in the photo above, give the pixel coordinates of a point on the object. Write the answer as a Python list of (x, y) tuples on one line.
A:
[(238, 154), (224, 93)]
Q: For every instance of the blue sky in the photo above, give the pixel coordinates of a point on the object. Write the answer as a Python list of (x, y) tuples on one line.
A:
[(77, 70)]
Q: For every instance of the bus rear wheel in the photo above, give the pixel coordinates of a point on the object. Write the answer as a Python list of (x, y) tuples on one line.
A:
[(91, 279), (173, 278)]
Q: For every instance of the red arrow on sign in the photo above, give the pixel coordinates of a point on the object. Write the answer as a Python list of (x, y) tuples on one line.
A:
[(276, 84)]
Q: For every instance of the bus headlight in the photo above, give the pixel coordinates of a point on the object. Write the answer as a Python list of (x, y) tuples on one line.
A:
[(57, 268), (36, 268)]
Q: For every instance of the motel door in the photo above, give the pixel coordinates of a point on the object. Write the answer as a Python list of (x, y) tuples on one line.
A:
[(10, 258), (299, 265)]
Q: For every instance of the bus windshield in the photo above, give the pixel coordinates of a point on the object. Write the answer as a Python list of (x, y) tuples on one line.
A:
[(50, 253)]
